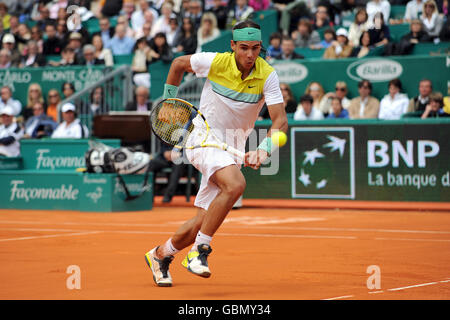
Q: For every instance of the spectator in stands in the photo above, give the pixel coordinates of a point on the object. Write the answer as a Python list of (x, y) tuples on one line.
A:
[(288, 50), (434, 109), (160, 49), (305, 110), (337, 111), (394, 104), (364, 48), (364, 106), (186, 40), (305, 36), (146, 29), (32, 58), (34, 96), (67, 58), (162, 24), (102, 53), (121, 44), (274, 48), (208, 30), (128, 9), (432, 21), (52, 44), (138, 17), (195, 12), (341, 48), (10, 133), (44, 18), (375, 6), (221, 13), (241, 11), (140, 63), (8, 42), (316, 91), (408, 41), (54, 7), (321, 18), (39, 125), (71, 127), (170, 35), (413, 11), (53, 99), (6, 99), (290, 106), (341, 92), (67, 89), (141, 100), (419, 102), (5, 59), (23, 36), (36, 35), (4, 16), (14, 25), (89, 58), (75, 43), (106, 31), (97, 103), (358, 26), (379, 33), (328, 37), (123, 20), (62, 33)]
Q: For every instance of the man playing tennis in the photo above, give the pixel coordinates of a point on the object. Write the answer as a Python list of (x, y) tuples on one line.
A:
[(238, 84)]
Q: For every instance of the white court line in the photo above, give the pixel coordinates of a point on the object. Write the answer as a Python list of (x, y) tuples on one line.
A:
[(341, 297), (265, 235), (50, 236), (170, 224), (394, 289)]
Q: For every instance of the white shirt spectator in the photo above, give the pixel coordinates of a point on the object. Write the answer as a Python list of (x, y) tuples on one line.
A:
[(10, 134), (393, 108), (14, 104), (315, 114), (413, 9), (383, 6), (75, 130)]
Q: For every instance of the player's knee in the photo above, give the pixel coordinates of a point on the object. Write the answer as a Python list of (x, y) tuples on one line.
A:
[(235, 188)]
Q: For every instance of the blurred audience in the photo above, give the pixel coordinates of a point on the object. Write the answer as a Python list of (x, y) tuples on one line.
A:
[(305, 110), (395, 103), (364, 106)]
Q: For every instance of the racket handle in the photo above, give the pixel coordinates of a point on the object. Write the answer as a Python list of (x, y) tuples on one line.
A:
[(234, 151)]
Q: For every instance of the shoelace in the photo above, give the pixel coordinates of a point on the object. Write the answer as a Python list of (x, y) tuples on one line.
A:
[(164, 265), (203, 255)]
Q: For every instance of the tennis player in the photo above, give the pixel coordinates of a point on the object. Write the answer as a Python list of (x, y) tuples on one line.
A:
[(238, 84)]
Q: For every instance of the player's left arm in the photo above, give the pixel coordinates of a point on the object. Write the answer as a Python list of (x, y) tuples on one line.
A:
[(277, 113)]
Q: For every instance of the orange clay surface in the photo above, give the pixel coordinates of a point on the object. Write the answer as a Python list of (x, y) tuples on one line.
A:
[(258, 253)]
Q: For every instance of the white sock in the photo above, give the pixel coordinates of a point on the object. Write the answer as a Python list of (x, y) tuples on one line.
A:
[(201, 239), (168, 249)]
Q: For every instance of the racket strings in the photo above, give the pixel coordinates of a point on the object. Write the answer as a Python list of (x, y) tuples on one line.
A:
[(172, 121)]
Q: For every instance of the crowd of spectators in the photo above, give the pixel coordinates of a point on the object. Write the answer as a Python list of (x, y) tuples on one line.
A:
[(33, 31)]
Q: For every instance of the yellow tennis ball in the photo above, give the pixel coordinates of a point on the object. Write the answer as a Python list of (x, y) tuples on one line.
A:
[(279, 138)]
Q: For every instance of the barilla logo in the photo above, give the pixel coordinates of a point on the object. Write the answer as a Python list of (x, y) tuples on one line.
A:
[(291, 72), (47, 162), (375, 70), (63, 192)]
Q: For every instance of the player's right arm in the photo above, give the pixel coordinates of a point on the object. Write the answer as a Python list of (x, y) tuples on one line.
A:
[(179, 66)]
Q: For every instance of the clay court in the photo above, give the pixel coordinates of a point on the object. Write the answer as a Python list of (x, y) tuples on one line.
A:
[(264, 252)]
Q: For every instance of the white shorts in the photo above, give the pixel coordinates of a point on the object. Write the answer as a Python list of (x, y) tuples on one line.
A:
[(208, 160)]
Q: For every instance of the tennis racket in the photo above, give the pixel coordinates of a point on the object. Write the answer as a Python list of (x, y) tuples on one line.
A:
[(172, 122)]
